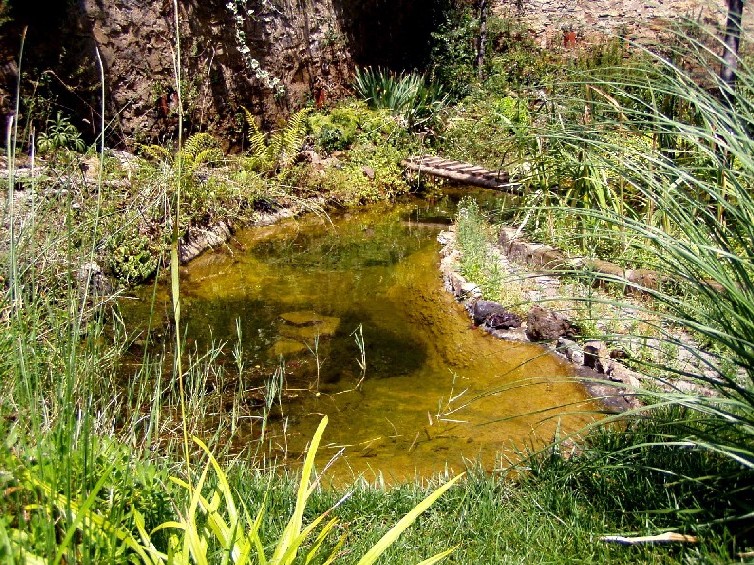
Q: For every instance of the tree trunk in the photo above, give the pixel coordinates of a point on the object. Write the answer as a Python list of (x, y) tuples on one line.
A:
[(482, 39), (730, 51)]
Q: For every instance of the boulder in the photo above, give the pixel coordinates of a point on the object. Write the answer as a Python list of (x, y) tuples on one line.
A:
[(483, 309), (544, 325), (503, 321), (493, 315)]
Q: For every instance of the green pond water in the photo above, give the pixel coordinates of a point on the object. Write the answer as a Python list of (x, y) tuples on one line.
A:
[(304, 290)]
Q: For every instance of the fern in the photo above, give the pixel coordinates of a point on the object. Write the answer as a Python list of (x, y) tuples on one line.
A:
[(200, 148), (278, 150), (198, 143), (154, 152), (292, 137)]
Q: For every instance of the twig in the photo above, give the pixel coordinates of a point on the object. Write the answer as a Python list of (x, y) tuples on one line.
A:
[(667, 537)]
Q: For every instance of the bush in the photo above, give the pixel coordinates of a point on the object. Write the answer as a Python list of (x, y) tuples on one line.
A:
[(335, 131)]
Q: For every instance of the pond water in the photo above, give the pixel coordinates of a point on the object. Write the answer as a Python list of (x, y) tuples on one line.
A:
[(353, 305)]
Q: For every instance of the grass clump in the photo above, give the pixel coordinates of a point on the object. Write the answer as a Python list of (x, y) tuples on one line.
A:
[(478, 263)]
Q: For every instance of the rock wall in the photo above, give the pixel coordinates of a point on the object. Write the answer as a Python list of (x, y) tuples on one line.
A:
[(299, 42), (311, 46), (641, 20)]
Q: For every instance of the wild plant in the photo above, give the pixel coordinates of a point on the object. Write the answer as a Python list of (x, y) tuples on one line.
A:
[(269, 153), (406, 95), (688, 215), (478, 263), (60, 134)]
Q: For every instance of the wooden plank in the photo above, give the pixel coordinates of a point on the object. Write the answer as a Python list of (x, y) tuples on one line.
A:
[(431, 160), (461, 167), (497, 182)]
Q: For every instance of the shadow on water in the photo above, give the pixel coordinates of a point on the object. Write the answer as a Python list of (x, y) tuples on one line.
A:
[(304, 291)]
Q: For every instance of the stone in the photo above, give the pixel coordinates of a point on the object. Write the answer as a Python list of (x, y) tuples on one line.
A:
[(470, 290), (503, 320), (307, 325), (543, 324), (311, 157), (201, 239), (286, 347), (571, 350), (91, 274), (483, 309), (301, 318), (596, 356)]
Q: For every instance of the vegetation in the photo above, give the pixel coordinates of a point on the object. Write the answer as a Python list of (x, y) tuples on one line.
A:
[(641, 163), (406, 95), (636, 161)]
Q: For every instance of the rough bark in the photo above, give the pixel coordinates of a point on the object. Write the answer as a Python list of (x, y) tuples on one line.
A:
[(484, 9), (731, 43)]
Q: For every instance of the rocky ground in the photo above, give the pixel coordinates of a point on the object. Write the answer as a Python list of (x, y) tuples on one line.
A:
[(554, 314)]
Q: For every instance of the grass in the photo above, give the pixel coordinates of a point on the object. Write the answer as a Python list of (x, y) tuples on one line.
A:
[(97, 468)]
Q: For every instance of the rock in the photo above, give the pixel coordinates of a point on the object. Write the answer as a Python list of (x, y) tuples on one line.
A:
[(618, 353), (286, 347), (201, 239), (470, 290), (483, 309), (445, 237), (301, 318), (307, 325), (543, 325), (618, 373), (596, 356), (493, 315), (455, 283), (368, 172), (571, 350), (503, 320), (311, 157), (91, 274)]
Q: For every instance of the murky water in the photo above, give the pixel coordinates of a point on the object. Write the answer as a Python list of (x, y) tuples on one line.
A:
[(420, 395)]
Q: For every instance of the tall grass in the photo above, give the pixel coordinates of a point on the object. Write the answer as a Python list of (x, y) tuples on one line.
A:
[(674, 170), (88, 461)]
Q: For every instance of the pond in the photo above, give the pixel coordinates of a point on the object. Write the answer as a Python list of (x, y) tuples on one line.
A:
[(346, 316)]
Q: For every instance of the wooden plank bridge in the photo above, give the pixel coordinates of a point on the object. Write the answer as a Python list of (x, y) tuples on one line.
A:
[(461, 172)]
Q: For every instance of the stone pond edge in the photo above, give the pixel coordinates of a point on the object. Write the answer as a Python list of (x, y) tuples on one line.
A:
[(604, 377)]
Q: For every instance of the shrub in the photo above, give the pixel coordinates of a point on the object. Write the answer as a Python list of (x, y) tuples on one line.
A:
[(334, 131)]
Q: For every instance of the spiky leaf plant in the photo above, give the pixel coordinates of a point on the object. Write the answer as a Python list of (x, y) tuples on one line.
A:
[(697, 177)]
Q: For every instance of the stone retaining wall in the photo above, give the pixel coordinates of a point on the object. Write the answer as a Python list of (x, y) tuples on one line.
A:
[(641, 20)]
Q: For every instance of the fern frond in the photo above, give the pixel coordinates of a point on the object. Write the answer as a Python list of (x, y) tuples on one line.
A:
[(258, 145), (251, 120), (199, 143), (154, 152), (211, 155), (295, 131)]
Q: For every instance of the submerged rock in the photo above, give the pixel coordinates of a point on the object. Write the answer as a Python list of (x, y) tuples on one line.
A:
[(307, 325), (286, 347)]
